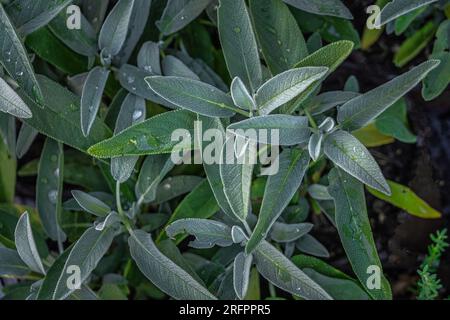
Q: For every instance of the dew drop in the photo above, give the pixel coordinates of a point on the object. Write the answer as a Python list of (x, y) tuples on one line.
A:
[(237, 30), (130, 79), (19, 73), (137, 114), (167, 186), (148, 68), (53, 158), (56, 173), (52, 196)]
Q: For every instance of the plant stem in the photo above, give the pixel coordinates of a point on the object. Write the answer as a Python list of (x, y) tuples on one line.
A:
[(311, 119)]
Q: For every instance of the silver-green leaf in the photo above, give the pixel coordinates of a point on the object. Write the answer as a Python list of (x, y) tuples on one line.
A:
[(322, 7), (241, 274), (10, 102), (91, 204), (162, 272)]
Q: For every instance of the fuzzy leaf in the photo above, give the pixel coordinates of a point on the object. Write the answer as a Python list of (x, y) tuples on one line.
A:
[(349, 154), (280, 189), (91, 204), (11, 264), (359, 111), (322, 7), (397, 8), (240, 95), (241, 274), (11, 103), (239, 43), (162, 272), (148, 58)]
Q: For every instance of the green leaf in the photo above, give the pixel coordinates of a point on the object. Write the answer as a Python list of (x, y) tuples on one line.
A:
[(8, 165), (308, 244), (11, 265), (359, 111), (8, 132), (92, 97), (49, 188), (212, 170), (152, 136), (91, 204), (25, 139), (240, 95), (207, 233), (193, 95), (281, 272), (330, 56), (83, 41), (397, 8), (414, 45), (371, 137), (154, 169), (115, 28), (26, 247), (278, 34), (176, 186), (199, 203), (328, 100), (241, 274), (14, 58), (179, 13), (404, 198), (239, 43), (148, 58), (438, 79), (11, 103), (403, 22), (44, 43), (286, 86), (354, 230), (61, 109), (280, 189), (28, 17), (284, 233), (393, 122), (174, 67), (292, 130), (162, 272), (322, 7), (86, 254), (349, 154), (132, 111)]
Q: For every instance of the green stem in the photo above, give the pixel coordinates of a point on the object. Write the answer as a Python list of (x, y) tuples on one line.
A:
[(311, 119), (122, 214)]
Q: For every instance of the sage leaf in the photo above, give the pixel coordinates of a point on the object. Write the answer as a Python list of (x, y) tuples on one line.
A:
[(319, 192), (92, 96), (49, 188), (179, 13), (328, 100), (238, 235), (280, 189), (241, 274), (207, 233), (174, 67), (85, 254), (397, 8), (212, 170), (292, 130), (83, 41), (25, 139), (153, 170), (91, 204), (162, 272), (11, 264), (286, 86), (359, 111), (315, 146), (309, 245), (173, 187), (11, 103), (278, 34), (132, 111), (132, 79), (240, 95), (354, 229), (236, 172), (30, 16), (115, 28), (333, 8), (110, 220), (281, 272), (26, 247), (14, 58), (283, 233), (239, 43), (152, 136), (61, 108), (438, 79), (136, 27), (148, 58), (199, 203), (193, 95), (350, 155)]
